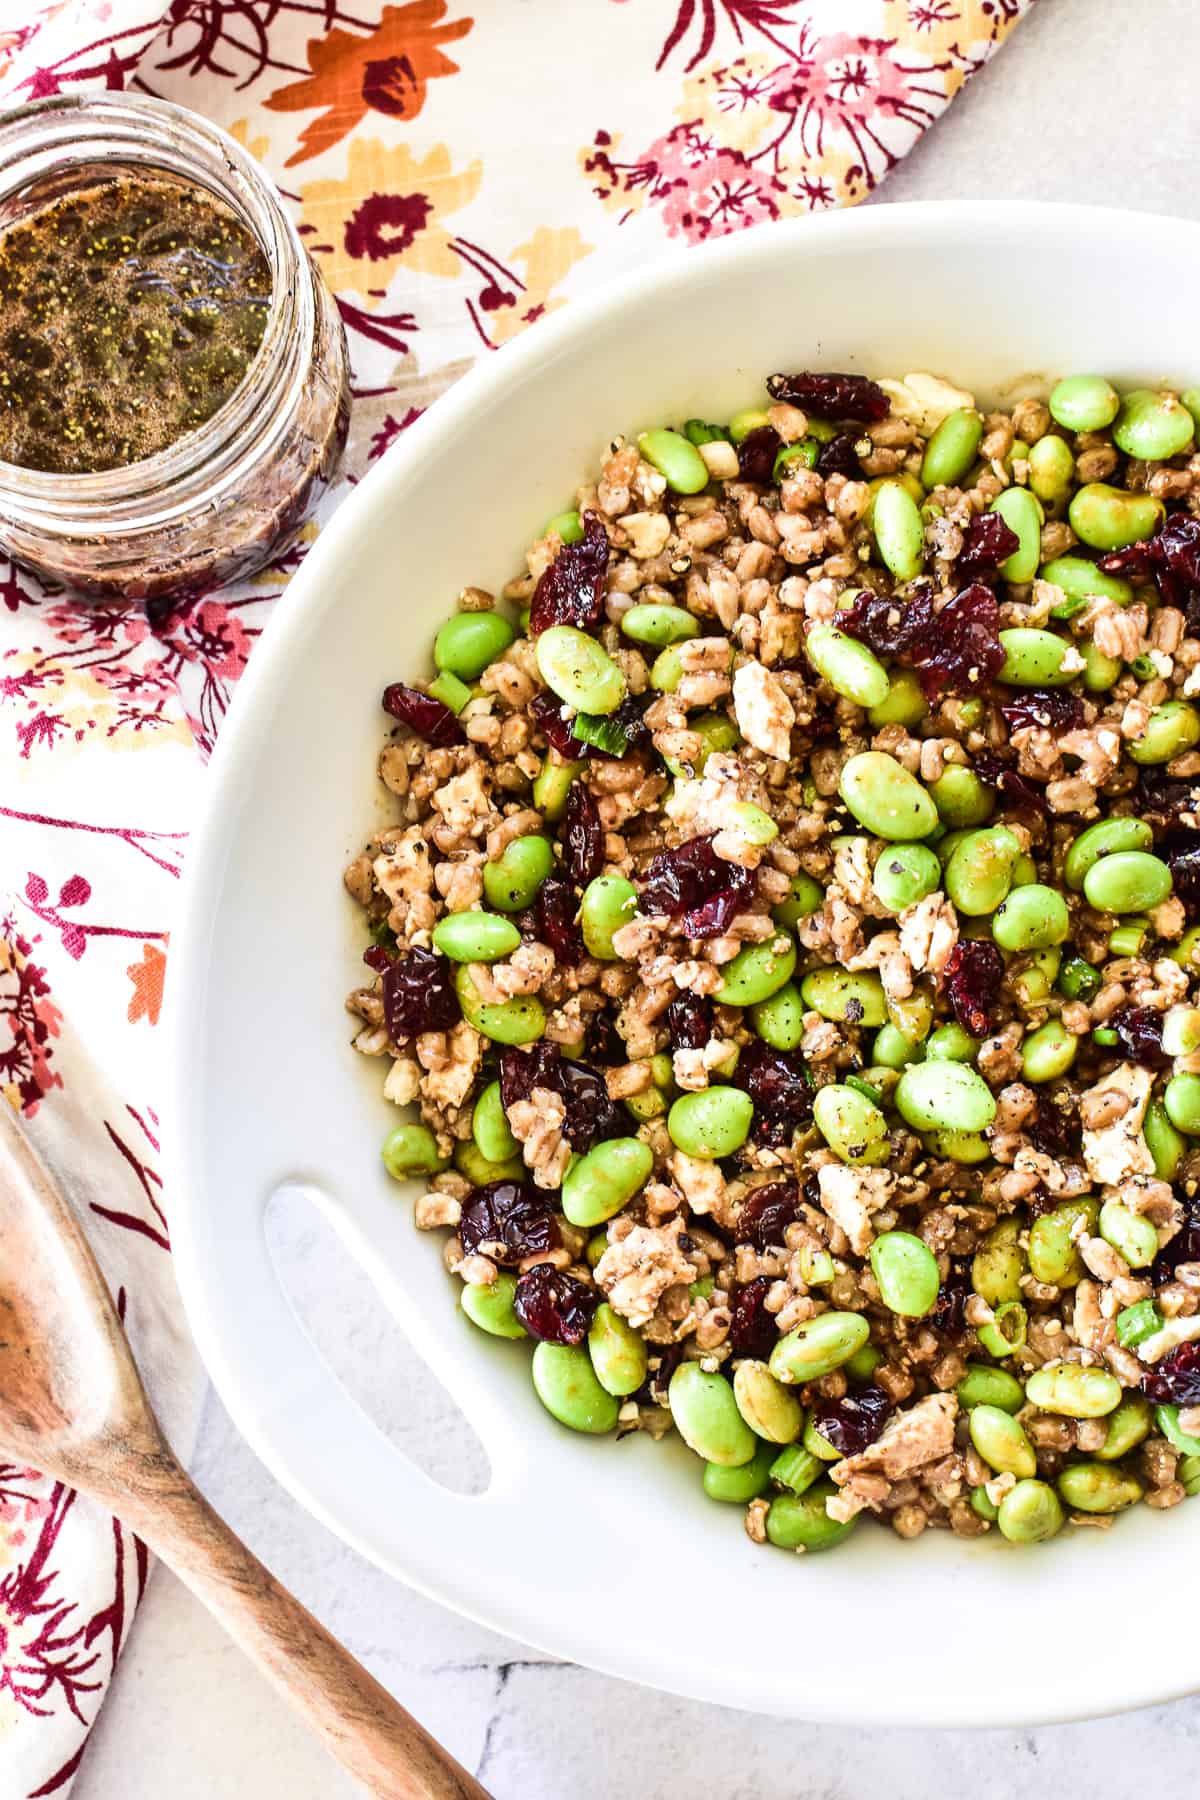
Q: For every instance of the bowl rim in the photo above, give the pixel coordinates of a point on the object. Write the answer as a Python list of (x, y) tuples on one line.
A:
[(1125, 1688)]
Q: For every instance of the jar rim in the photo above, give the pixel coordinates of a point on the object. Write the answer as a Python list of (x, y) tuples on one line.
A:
[(47, 136)]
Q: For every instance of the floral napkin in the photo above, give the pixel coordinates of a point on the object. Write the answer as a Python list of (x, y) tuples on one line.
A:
[(459, 168)]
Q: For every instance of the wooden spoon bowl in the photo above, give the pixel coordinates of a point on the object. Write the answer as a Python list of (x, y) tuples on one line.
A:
[(72, 1404)]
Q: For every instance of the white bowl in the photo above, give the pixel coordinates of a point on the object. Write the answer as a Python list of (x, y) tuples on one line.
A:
[(608, 1552)]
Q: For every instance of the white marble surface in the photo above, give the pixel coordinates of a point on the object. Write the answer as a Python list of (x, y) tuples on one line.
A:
[(1091, 101)]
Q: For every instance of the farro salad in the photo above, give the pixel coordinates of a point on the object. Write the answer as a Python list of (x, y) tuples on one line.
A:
[(788, 938)]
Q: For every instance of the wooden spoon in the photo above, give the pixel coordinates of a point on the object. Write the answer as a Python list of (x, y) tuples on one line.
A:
[(72, 1404)]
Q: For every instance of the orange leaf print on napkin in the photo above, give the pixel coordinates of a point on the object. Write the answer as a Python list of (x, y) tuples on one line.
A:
[(147, 977), (387, 72)]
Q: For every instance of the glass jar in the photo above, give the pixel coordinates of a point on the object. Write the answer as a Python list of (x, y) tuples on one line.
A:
[(221, 500)]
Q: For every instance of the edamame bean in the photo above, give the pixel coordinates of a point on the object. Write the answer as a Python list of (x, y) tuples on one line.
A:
[(1187, 1473), (800, 1522), (567, 526), (469, 641), (516, 1021), (490, 1128), (412, 1150), (1096, 1487), (1073, 1391), (899, 530), (552, 784), (768, 1408), (951, 1043), (1022, 513), (906, 1272), (979, 871), (1130, 1234), (984, 1386), (796, 1469), (450, 691), (1080, 579), (793, 457), (885, 798), (676, 459), (1152, 426), (1171, 729), (818, 1346), (1031, 918), (863, 1364), (1084, 403), (1007, 1332), (848, 666), (944, 1096), (706, 1417), (600, 1183), (1181, 1030), (1048, 1052), (757, 971), (892, 1050), (983, 1506), (1166, 1418), (961, 798), (579, 670), (659, 625), (715, 732), (903, 704), (807, 896), (1181, 1097), (711, 1123), (904, 874), (1126, 1428), (1001, 1442), (608, 903), (1051, 470), (852, 997), (511, 882), (1034, 658), (853, 1126), (470, 1161), (1165, 1144), (490, 1306), (467, 937), (1106, 838), (1110, 518), (740, 1486), (958, 1146), (1127, 881), (1053, 1257), (618, 1353), (1030, 1513), (566, 1385), (751, 418), (814, 1445), (951, 450), (779, 1020)]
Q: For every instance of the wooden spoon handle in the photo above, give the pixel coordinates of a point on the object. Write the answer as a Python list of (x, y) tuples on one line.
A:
[(364, 1728)]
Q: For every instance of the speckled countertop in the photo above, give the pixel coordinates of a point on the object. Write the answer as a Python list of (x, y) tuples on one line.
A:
[(1091, 101)]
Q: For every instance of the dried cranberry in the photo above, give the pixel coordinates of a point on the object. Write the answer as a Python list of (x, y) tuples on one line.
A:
[(663, 1364), (602, 1040), (554, 1306), (752, 1329), (1175, 1381), (1050, 709), (629, 717), (987, 542), (957, 647), (974, 971), (581, 835), (418, 995), (547, 710), (1172, 556), (777, 1082), (1008, 781), (766, 1214), (756, 454), (1054, 1128), (840, 456), (377, 958), (590, 1114), (694, 885), (1167, 799), (1180, 850), (832, 396), (1139, 1036), (571, 590), (554, 920), (508, 1221), (429, 717), (1184, 1247), (855, 1421), (949, 1315), (689, 1022)]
